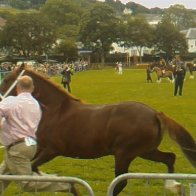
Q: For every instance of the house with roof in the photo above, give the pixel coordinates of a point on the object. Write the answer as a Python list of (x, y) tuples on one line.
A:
[(153, 20), (132, 51), (190, 35)]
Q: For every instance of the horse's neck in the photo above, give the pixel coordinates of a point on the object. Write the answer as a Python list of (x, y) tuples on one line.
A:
[(55, 98), (48, 94)]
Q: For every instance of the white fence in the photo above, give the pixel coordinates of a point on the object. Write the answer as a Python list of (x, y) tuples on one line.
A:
[(48, 179), (148, 176)]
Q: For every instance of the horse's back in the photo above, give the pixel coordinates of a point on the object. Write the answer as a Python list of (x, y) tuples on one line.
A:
[(90, 131), (98, 119), (115, 124), (134, 119)]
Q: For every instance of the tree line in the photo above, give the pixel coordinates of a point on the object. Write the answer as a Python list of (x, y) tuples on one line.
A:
[(57, 26)]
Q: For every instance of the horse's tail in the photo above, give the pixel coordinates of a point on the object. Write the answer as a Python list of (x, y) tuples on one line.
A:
[(180, 135)]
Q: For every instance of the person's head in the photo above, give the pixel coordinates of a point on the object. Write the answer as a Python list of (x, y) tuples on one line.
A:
[(25, 84), (65, 66)]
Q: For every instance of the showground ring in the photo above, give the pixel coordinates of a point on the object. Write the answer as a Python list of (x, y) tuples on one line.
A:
[(105, 86)]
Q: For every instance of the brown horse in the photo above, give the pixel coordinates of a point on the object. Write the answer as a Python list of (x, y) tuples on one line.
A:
[(163, 74), (72, 128), (191, 67)]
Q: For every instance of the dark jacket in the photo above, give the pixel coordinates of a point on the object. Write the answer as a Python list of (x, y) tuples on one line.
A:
[(66, 75), (180, 71)]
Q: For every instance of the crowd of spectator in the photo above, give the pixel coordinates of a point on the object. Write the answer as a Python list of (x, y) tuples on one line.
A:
[(48, 68)]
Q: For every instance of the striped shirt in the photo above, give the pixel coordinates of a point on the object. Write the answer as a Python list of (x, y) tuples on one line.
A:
[(20, 116)]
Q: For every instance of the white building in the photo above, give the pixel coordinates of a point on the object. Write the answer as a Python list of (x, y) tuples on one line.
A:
[(127, 11), (132, 51), (190, 35), (153, 20)]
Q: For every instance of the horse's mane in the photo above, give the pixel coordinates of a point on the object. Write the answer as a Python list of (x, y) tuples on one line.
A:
[(46, 79)]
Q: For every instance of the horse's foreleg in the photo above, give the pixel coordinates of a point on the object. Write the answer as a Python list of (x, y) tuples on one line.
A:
[(159, 79), (44, 156), (163, 157), (121, 166), (74, 191), (37, 153), (191, 72)]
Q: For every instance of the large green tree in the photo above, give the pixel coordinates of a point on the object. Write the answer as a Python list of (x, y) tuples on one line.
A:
[(138, 33), (68, 49), (65, 15), (137, 8), (99, 29), (24, 4), (181, 17), (62, 12), (169, 39), (28, 34)]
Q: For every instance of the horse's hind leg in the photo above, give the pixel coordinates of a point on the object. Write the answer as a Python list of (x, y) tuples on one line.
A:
[(121, 166), (163, 157)]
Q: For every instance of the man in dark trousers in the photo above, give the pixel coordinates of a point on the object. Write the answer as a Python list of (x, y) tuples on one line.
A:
[(179, 75), (66, 77), (148, 74)]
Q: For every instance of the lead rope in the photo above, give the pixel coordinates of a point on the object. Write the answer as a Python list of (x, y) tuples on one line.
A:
[(12, 86)]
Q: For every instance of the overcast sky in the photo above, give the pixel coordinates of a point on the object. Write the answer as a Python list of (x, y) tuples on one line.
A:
[(190, 4)]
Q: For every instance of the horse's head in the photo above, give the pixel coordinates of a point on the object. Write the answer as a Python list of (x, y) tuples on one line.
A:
[(8, 85), (46, 92)]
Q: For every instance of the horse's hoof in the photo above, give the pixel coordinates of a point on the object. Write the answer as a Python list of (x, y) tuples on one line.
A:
[(175, 187)]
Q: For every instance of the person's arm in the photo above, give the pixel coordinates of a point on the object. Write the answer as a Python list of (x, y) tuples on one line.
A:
[(5, 106), (2, 108), (184, 69), (0, 123)]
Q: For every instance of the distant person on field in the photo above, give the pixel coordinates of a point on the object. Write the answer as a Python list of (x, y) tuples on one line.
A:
[(162, 64), (179, 75), (66, 77), (148, 74), (120, 69)]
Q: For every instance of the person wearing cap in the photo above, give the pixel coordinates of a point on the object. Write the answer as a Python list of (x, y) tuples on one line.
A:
[(20, 116), (66, 77)]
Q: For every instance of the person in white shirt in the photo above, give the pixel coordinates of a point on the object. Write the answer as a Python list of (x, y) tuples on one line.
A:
[(20, 116), (120, 69)]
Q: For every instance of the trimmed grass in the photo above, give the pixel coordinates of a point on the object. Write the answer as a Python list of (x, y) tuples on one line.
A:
[(105, 87)]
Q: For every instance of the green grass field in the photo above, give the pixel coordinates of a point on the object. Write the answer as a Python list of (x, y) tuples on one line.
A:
[(105, 86)]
